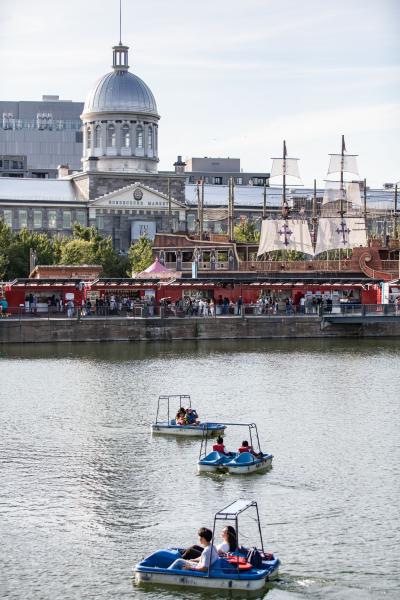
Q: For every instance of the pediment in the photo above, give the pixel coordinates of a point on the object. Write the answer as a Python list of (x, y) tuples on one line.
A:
[(135, 195)]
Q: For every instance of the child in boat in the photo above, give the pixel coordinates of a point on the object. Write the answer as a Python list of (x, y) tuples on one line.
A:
[(219, 446), (180, 418), (245, 447), (207, 558)]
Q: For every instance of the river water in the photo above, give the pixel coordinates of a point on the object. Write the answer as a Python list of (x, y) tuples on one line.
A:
[(86, 492)]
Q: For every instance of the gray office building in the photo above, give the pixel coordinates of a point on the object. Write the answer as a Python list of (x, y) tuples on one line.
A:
[(36, 137)]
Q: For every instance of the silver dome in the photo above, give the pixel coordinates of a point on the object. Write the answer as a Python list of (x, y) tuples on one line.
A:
[(120, 91)]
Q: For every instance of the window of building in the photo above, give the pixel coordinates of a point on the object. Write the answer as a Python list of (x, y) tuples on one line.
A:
[(7, 216), (89, 138), (139, 137), (37, 219), (238, 180), (258, 180), (66, 219), (52, 219), (111, 139), (6, 164), (100, 222), (217, 180), (126, 136), (22, 218), (191, 222), (81, 217), (150, 138), (97, 136)]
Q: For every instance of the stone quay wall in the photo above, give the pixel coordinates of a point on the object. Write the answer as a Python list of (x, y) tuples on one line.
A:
[(96, 329)]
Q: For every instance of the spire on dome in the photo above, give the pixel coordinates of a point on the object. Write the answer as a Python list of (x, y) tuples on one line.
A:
[(120, 52), (120, 57)]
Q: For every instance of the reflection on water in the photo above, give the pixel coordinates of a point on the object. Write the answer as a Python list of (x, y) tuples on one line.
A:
[(86, 492)]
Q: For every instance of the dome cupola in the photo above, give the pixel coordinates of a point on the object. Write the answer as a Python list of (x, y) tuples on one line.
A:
[(120, 121)]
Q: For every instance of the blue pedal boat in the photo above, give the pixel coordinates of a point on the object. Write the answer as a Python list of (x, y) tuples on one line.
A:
[(168, 425), (231, 572), (235, 463)]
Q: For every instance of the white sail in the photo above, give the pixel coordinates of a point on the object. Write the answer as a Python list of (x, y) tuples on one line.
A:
[(349, 164), (292, 167), (350, 193), (285, 235), (334, 233)]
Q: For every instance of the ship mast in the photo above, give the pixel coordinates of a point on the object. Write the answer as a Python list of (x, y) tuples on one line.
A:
[(342, 211), (284, 174)]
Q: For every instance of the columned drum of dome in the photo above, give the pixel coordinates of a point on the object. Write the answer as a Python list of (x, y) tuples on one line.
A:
[(120, 121)]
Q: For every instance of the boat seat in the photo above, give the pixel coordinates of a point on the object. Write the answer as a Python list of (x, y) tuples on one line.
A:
[(172, 422), (162, 558), (245, 458)]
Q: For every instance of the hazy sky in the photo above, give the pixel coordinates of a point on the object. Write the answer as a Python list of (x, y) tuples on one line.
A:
[(230, 77)]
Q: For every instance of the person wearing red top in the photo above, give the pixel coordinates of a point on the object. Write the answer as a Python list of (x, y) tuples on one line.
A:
[(219, 446), (245, 447)]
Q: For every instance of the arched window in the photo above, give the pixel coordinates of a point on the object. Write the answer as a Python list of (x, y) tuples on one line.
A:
[(126, 136), (88, 137), (156, 138), (111, 140), (97, 136), (139, 137), (150, 138)]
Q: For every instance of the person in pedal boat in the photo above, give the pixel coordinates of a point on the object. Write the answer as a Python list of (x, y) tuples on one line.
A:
[(219, 446), (245, 447), (208, 556), (229, 543)]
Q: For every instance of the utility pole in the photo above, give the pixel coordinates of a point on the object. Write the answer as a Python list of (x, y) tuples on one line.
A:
[(365, 201), (169, 206), (264, 212), (232, 208), (231, 200), (198, 210), (202, 209), (396, 233)]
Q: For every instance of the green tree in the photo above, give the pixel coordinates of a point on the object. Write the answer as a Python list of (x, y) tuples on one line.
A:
[(141, 254), (5, 243), (18, 252), (246, 231), (77, 252)]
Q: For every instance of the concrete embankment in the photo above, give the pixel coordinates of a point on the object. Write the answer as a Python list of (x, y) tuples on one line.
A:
[(95, 329)]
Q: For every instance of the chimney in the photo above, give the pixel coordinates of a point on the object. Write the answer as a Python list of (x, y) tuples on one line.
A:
[(63, 171), (179, 166), (91, 164)]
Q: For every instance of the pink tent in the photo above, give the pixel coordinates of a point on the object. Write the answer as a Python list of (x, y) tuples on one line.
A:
[(156, 267), (156, 271)]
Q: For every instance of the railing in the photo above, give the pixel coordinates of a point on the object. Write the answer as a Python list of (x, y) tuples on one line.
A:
[(298, 266), (183, 310), (364, 310)]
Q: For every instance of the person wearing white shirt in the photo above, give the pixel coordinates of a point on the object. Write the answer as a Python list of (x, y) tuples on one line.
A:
[(205, 560)]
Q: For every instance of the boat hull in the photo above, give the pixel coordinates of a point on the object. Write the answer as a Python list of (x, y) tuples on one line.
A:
[(219, 464), (204, 582), (256, 467), (213, 429)]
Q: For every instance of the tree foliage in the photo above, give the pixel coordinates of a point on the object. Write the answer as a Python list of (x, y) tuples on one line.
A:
[(86, 246), (246, 231), (141, 254)]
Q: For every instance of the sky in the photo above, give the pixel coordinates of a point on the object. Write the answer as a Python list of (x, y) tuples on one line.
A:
[(230, 77)]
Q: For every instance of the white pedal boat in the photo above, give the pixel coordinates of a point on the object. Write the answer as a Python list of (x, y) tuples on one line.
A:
[(235, 463), (168, 426), (227, 573)]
